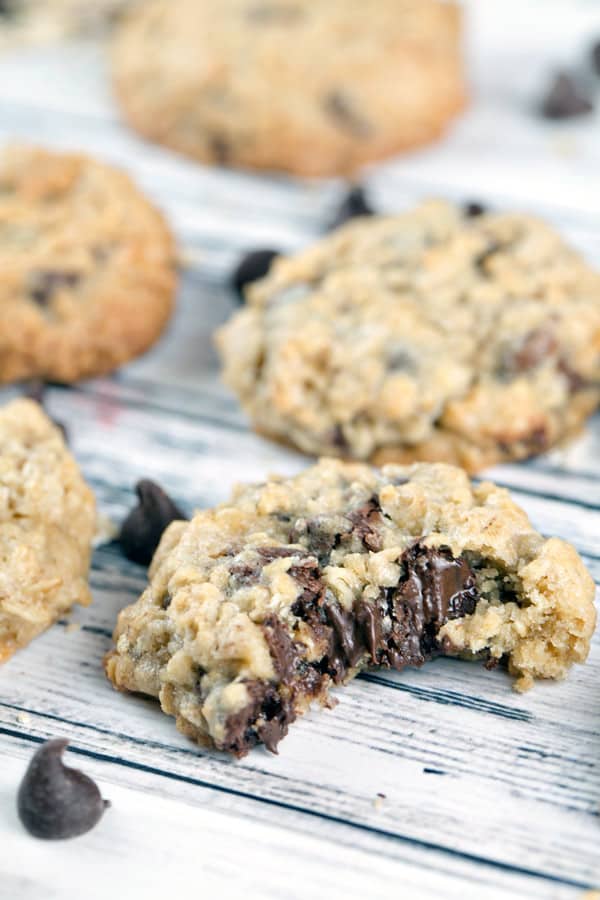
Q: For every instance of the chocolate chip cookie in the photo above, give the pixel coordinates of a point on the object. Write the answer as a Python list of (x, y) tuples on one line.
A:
[(432, 335), (88, 274), (256, 608), (47, 521), (313, 88)]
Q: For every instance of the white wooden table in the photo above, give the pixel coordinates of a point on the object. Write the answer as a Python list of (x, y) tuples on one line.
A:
[(439, 782)]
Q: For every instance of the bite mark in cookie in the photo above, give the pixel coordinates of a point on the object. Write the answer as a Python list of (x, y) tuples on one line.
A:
[(297, 585)]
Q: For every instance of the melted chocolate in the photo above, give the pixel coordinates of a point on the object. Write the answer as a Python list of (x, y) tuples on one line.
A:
[(366, 521), (399, 629), (264, 719)]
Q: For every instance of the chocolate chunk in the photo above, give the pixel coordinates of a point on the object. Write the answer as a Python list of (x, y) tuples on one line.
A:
[(595, 57), (366, 522), (338, 439), (54, 801), (565, 99), (339, 108), (354, 204), (369, 621), (252, 267), (320, 534), (143, 528), (283, 650), (268, 554), (35, 389), (535, 347), (308, 576), (348, 634), (46, 282), (220, 149), (436, 587), (576, 381), (265, 719), (473, 209)]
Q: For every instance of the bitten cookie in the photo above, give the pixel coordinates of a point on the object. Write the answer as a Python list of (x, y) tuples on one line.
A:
[(429, 335), (313, 88), (47, 522), (257, 607), (88, 272)]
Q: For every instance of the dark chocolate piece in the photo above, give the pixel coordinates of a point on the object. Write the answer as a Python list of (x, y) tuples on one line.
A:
[(535, 347), (265, 720), (473, 209), (354, 204), (565, 99), (365, 521), (252, 267), (143, 528), (220, 149), (339, 108), (46, 282), (54, 801)]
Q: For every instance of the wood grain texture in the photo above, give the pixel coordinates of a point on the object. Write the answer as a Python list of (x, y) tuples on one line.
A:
[(487, 793)]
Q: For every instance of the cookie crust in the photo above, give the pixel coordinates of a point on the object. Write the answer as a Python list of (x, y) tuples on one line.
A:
[(88, 267), (259, 84), (424, 336), (47, 522), (256, 608)]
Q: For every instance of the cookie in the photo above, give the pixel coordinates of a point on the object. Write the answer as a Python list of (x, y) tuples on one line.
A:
[(256, 608), (432, 335), (88, 274), (47, 522), (24, 22), (312, 88)]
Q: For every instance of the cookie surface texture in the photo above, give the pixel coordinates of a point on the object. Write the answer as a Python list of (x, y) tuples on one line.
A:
[(311, 88), (425, 336), (47, 522)]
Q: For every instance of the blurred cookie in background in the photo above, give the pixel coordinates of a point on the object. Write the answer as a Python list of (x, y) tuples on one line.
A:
[(434, 335), (24, 22), (88, 267), (311, 88)]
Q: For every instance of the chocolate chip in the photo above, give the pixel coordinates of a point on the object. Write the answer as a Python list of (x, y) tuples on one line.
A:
[(143, 528), (282, 647), (354, 204), (45, 282), (251, 267), (595, 58), (338, 439), (220, 149), (436, 587), (565, 99), (576, 381), (35, 389), (264, 719), (536, 346), (54, 801), (339, 108), (366, 522), (473, 209)]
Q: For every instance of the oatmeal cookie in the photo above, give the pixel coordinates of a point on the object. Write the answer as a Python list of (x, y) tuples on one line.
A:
[(88, 272), (312, 88), (47, 522), (257, 607), (430, 335)]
